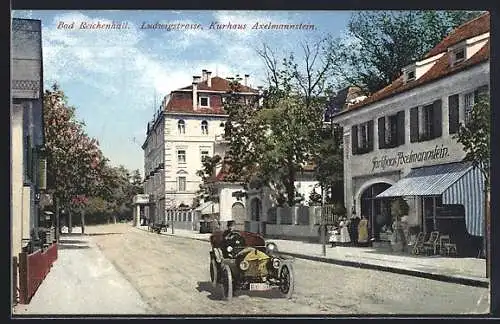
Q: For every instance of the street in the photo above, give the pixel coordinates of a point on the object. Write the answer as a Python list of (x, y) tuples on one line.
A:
[(172, 276)]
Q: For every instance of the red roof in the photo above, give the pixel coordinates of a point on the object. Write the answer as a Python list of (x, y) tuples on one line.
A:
[(442, 66), (182, 101), (474, 27), (219, 84)]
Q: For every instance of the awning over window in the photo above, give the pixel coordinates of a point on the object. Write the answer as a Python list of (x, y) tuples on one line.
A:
[(458, 183)]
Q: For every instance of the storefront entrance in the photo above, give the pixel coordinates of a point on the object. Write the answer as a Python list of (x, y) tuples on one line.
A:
[(376, 209)]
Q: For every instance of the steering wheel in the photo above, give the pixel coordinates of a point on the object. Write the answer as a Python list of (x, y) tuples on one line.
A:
[(234, 239)]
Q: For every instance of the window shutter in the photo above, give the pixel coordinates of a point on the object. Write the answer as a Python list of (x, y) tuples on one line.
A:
[(453, 114), (401, 128), (437, 121), (354, 139), (381, 132), (370, 135), (414, 125)]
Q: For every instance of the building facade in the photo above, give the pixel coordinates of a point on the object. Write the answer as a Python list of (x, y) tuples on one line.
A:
[(26, 131), (410, 125), (182, 133)]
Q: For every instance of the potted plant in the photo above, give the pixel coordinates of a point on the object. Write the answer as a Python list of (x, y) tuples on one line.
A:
[(399, 208)]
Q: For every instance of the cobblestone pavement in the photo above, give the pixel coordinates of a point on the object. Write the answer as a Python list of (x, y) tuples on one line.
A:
[(172, 276)]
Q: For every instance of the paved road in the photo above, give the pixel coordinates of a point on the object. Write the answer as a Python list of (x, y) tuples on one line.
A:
[(172, 276)]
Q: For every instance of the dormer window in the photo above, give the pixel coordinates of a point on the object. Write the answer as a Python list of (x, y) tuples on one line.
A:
[(458, 55), (410, 75), (204, 102)]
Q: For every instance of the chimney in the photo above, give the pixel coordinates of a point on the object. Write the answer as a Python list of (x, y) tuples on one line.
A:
[(196, 79), (246, 79), (203, 75), (209, 79)]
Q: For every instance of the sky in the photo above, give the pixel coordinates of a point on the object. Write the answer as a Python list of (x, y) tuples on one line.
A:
[(117, 78)]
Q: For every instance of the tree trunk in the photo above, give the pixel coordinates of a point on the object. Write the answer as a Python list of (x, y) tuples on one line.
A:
[(57, 221), (82, 215), (70, 222), (114, 219), (290, 186)]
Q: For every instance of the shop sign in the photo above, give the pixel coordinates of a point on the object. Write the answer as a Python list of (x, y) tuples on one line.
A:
[(401, 157)]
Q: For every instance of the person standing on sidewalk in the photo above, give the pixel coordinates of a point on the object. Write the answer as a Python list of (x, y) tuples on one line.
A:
[(344, 231), (363, 231), (354, 229)]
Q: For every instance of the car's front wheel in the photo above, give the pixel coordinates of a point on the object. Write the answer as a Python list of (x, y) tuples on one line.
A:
[(226, 282), (287, 281), (214, 272)]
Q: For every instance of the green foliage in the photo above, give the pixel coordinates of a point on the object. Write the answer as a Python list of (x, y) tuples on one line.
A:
[(380, 43), (399, 208), (207, 192), (475, 136)]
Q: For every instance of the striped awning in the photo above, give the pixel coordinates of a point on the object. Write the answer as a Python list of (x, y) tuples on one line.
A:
[(458, 183)]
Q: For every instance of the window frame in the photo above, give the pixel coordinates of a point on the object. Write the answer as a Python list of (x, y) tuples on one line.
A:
[(208, 101), (179, 160), (204, 155), (204, 127), (183, 182), (456, 51), (181, 126)]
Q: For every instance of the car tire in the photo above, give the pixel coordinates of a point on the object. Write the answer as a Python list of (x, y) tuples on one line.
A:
[(226, 282), (214, 272), (287, 281)]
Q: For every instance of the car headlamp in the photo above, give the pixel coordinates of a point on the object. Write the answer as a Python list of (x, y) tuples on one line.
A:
[(229, 249), (244, 265), (271, 247), (276, 263)]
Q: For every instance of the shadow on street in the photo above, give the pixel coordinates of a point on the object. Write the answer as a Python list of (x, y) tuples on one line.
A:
[(73, 247), (216, 294)]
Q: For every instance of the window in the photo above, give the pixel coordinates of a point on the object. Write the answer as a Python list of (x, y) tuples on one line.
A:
[(391, 130), (181, 184), (181, 126), (362, 138), (204, 127), (453, 114), (431, 120), (410, 75), (428, 126), (468, 105), (204, 154), (181, 156), (458, 55), (204, 102)]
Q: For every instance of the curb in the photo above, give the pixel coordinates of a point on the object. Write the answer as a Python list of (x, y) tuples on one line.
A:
[(369, 266), (414, 273)]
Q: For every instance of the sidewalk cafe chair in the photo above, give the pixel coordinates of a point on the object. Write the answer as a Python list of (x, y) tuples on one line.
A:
[(418, 244), (431, 245), (446, 247)]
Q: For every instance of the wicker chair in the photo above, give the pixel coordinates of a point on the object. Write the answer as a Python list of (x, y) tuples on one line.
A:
[(431, 245), (418, 245)]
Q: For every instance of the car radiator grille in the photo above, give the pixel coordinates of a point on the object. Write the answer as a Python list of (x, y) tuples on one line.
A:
[(257, 268)]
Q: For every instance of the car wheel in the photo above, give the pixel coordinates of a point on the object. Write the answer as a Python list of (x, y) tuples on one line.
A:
[(214, 272), (287, 281), (226, 282)]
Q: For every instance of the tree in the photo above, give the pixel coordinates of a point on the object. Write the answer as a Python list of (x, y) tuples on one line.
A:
[(380, 43), (207, 192), (329, 162), (74, 160), (475, 136), (271, 140)]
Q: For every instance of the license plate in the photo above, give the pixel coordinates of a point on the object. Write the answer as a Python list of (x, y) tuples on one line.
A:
[(259, 286)]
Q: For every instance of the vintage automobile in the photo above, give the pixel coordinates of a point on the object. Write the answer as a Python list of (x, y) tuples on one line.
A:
[(242, 260)]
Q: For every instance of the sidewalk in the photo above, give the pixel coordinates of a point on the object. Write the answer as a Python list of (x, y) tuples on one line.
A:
[(83, 281), (466, 271)]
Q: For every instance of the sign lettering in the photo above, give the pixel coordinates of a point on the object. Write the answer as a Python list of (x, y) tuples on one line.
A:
[(439, 152)]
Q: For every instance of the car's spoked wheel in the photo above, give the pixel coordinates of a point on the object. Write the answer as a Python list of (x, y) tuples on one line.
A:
[(226, 282), (287, 282), (214, 273)]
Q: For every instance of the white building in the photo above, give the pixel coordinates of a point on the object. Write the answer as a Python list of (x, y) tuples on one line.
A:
[(181, 134), (406, 130)]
